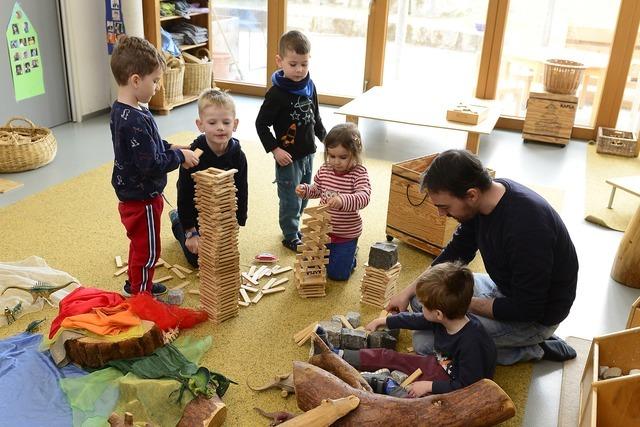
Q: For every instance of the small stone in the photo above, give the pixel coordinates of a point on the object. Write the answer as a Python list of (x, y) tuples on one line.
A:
[(354, 318), (399, 376), (382, 339), (334, 331), (602, 370), (612, 373), (353, 339), (383, 255), (634, 372), (336, 318)]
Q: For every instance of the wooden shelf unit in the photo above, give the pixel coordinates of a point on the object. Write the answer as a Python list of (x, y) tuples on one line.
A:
[(153, 22)]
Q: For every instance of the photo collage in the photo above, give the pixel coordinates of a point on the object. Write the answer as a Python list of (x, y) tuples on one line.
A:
[(23, 47), (115, 22)]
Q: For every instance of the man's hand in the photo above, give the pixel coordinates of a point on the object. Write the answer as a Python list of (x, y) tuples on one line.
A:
[(190, 159), (335, 202), (419, 388), (398, 303), (282, 157), (376, 323), (193, 244), (301, 191), (482, 307)]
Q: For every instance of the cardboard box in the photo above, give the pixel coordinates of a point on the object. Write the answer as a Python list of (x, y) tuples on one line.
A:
[(469, 114)]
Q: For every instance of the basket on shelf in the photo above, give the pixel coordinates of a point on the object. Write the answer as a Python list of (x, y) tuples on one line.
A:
[(26, 147), (618, 142), (172, 81), (197, 72), (562, 76), (200, 53)]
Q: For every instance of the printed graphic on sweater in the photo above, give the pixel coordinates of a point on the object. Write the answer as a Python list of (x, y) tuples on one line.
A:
[(445, 362), (303, 111)]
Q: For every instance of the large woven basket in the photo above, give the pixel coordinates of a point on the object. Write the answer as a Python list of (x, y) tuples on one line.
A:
[(197, 72), (173, 81), (562, 76), (23, 148)]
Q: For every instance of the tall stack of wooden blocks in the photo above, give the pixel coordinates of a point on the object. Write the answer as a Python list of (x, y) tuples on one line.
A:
[(378, 285), (310, 272), (219, 257)]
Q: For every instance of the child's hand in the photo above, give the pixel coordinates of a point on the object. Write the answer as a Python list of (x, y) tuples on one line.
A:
[(419, 388), (335, 202), (301, 191), (193, 244), (376, 323), (282, 157), (190, 159)]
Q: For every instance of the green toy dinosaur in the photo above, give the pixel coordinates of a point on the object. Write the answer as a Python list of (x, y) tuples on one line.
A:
[(34, 326), (40, 290)]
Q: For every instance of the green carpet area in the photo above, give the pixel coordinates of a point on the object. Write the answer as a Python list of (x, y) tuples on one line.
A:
[(75, 227)]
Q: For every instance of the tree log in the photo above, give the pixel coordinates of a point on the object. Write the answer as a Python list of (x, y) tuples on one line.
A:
[(483, 403), (204, 412), (324, 414), (331, 362), (95, 353)]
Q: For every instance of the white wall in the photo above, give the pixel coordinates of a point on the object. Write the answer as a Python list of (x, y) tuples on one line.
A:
[(90, 81)]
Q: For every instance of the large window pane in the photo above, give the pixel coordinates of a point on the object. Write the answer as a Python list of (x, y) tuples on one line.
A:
[(577, 30), (435, 45), (629, 117), (337, 30), (240, 37)]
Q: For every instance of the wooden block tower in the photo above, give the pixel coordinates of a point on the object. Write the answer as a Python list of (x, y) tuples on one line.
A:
[(378, 285), (310, 273), (219, 257)]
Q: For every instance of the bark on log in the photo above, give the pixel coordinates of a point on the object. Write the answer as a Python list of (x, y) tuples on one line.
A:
[(95, 353), (481, 404), (331, 362), (204, 412), (325, 414)]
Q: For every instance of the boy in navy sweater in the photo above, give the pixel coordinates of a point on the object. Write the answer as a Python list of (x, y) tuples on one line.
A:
[(462, 351), (217, 121), (291, 108), (141, 158)]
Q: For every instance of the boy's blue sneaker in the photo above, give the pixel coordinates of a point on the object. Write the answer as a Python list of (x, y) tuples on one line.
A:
[(173, 216), (158, 289)]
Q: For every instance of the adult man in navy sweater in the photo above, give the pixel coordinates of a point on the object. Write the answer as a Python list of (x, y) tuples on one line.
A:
[(531, 262)]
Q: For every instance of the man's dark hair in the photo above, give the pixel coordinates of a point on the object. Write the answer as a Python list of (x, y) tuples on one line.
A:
[(455, 171), (294, 41)]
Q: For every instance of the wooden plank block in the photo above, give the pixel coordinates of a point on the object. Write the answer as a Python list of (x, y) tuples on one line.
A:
[(194, 291), (178, 273), (8, 185), (273, 290), (181, 285), (198, 152), (166, 264), (185, 270), (345, 322), (269, 284), (119, 263), (249, 278), (280, 282), (411, 378), (280, 270), (122, 270), (245, 296), (162, 279), (306, 337), (252, 270), (257, 298), (249, 288), (244, 303), (304, 331)]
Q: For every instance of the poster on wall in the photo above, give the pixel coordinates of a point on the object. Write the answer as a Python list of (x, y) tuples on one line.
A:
[(25, 58), (114, 22)]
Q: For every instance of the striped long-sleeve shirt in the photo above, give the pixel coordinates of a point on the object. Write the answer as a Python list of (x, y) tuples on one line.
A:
[(354, 190)]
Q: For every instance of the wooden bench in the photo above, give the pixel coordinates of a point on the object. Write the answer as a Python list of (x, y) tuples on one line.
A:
[(630, 184)]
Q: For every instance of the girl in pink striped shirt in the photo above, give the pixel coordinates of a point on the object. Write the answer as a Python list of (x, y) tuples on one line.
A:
[(341, 183)]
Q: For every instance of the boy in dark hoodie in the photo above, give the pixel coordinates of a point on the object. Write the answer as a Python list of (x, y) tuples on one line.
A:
[(217, 121), (290, 107)]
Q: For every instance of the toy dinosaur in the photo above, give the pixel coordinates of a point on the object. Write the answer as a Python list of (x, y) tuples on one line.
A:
[(283, 381), (9, 315), (40, 290), (34, 326)]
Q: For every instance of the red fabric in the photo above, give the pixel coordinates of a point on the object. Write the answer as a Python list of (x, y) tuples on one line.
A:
[(83, 300), (372, 359), (141, 219), (166, 316)]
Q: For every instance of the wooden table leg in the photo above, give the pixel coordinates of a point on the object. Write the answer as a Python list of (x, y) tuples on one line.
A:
[(625, 264), (473, 142), (352, 119), (613, 193)]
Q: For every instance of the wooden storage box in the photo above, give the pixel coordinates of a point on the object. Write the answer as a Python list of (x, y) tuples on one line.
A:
[(411, 217), (618, 142), (612, 402), (469, 114), (550, 117)]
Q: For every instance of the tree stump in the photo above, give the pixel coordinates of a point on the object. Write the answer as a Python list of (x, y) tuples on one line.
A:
[(95, 353), (625, 265), (204, 412), (483, 403)]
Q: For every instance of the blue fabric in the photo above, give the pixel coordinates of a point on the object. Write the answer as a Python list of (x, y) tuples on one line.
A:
[(30, 394), (342, 259), (291, 206), (168, 44), (303, 88)]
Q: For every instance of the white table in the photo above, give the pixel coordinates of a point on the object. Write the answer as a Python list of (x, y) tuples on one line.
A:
[(400, 106), (630, 184)]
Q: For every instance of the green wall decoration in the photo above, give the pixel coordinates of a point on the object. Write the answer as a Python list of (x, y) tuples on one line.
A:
[(25, 57)]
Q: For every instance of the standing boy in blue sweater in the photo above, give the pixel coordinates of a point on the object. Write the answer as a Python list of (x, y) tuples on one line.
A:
[(142, 158)]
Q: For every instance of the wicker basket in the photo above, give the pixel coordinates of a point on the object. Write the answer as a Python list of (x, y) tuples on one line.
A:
[(197, 74), (562, 76), (173, 80), (618, 142), (202, 52), (25, 148)]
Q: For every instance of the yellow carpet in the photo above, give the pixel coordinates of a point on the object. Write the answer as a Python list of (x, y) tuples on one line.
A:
[(599, 168), (570, 389), (76, 228)]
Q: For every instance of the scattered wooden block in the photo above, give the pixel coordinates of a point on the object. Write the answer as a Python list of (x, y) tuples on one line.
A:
[(345, 322), (273, 290), (244, 303), (181, 285), (198, 152), (280, 270), (8, 185), (280, 282), (252, 270), (163, 279), (178, 273), (269, 284), (411, 378), (410, 350), (249, 288), (122, 270), (245, 296), (257, 298), (119, 263), (249, 278), (194, 291), (304, 331), (185, 270)]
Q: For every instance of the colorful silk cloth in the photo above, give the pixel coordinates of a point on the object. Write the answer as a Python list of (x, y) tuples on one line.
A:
[(104, 320)]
